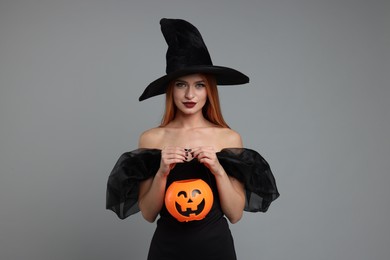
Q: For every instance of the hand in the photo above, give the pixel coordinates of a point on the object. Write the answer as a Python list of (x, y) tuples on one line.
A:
[(169, 157), (207, 155)]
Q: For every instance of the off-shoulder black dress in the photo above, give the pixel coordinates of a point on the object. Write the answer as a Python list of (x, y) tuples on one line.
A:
[(210, 237)]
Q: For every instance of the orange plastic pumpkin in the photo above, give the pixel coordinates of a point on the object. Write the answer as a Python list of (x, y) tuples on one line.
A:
[(189, 200)]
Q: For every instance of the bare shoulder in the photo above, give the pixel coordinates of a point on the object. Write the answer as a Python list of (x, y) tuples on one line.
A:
[(229, 138), (151, 138)]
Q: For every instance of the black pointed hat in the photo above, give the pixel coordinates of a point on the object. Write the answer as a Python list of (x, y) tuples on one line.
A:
[(188, 54)]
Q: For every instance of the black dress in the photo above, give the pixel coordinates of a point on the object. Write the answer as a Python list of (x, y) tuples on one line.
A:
[(207, 238)]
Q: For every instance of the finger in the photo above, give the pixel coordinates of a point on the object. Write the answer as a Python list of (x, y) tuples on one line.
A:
[(173, 152), (173, 159), (206, 154), (202, 149), (196, 151)]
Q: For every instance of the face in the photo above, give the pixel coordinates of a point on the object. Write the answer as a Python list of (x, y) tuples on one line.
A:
[(190, 94), (189, 200)]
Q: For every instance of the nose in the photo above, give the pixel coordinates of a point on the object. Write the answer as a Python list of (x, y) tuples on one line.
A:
[(189, 92)]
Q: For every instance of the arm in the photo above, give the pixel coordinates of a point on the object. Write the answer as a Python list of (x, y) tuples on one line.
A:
[(152, 190), (232, 196), (231, 191), (151, 196)]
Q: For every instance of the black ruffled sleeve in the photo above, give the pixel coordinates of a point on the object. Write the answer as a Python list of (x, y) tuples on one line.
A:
[(123, 182), (249, 167)]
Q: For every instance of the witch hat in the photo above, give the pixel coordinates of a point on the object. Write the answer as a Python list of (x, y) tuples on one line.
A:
[(187, 54)]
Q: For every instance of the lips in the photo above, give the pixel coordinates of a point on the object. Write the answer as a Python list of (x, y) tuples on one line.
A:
[(189, 104)]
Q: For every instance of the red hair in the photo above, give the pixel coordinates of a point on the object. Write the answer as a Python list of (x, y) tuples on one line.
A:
[(211, 110)]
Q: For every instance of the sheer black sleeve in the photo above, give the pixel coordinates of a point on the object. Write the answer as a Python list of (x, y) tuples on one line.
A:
[(123, 182), (249, 167)]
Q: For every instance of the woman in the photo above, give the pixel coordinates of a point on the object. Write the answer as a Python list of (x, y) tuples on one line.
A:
[(192, 170)]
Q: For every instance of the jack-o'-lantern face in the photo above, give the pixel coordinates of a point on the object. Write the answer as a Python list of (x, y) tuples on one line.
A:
[(189, 200)]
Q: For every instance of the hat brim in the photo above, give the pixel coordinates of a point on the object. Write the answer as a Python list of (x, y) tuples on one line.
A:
[(223, 76)]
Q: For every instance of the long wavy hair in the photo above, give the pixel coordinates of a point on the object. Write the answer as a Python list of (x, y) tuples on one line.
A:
[(211, 110)]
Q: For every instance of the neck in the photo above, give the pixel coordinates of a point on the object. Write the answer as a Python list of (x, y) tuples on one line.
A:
[(190, 121)]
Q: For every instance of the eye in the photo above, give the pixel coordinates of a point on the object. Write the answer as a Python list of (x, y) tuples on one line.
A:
[(195, 192), (200, 85), (180, 84), (182, 193)]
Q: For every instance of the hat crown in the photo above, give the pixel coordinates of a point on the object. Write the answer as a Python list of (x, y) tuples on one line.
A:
[(187, 54), (186, 47)]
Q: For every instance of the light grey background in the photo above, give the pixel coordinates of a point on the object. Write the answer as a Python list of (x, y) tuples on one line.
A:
[(317, 108)]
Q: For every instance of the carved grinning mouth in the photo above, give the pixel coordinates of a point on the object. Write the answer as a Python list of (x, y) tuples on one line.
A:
[(188, 211)]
